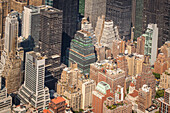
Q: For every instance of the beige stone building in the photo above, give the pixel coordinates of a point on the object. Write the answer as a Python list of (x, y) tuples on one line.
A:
[(18, 5), (69, 78), (135, 62), (87, 88), (145, 98), (76, 88), (11, 60), (165, 79)]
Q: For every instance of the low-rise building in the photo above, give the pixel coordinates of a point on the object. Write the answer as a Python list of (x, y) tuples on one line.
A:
[(57, 105), (102, 91), (122, 107)]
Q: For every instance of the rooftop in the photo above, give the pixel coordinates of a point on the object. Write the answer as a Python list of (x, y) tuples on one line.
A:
[(145, 88), (58, 100), (36, 55), (134, 94), (102, 87)]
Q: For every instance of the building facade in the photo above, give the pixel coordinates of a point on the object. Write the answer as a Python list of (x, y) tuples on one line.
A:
[(31, 24), (82, 51), (120, 12), (151, 42), (70, 10), (50, 42), (165, 79), (33, 91), (161, 64), (150, 11), (94, 9), (145, 98), (57, 105), (102, 91), (11, 61), (140, 45), (87, 88)]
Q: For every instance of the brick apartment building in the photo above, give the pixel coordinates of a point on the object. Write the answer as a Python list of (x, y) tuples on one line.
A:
[(107, 71), (102, 91)]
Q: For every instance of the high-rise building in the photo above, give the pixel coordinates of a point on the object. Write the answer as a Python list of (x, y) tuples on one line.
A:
[(69, 88), (87, 88), (70, 21), (102, 92), (69, 77), (151, 42), (135, 63), (94, 9), (108, 72), (122, 63), (11, 32), (118, 47), (33, 91), (165, 49), (50, 42), (31, 24), (145, 98), (165, 79), (3, 13), (146, 77), (11, 61), (120, 12), (140, 45), (5, 100), (151, 11), (82, 51), (4, 9), (165, 103)]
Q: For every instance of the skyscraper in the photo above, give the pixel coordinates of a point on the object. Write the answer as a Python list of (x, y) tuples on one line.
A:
[(152, 11), (151, 42), (11, 32), (120, 12), (33, 90), (70, 20), (82, 51), (11, 62), (51, 41), (31, 23), (94, 9), (3, 13)]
